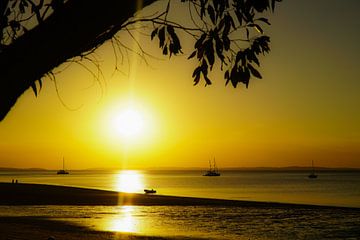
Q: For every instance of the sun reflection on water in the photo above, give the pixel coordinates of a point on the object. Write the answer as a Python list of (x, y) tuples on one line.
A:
[(129, 181), (124, 222)]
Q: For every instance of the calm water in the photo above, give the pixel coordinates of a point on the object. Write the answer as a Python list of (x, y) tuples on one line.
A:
[(205, 222), (331, 188)]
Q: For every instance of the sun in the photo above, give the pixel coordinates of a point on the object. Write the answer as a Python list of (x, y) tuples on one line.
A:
[(128, 124)]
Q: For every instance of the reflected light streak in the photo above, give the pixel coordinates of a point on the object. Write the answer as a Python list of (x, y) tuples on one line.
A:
[(129, 181), (125, 222)]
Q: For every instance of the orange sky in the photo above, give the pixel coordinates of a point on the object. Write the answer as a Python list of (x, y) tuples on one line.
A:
[(305, 108)]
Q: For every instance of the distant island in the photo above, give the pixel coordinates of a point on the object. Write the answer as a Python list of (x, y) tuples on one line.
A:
[(289, 168), (22, 169)]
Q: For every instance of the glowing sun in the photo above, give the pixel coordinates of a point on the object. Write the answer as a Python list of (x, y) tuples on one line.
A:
[(128, 124)]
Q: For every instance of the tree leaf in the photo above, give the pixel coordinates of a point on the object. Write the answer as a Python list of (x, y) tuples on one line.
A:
[(40, 83), (204, 67), (254, 72), (273, 4), (209, 52), (260, 5), (265, 20), (234, 75), (196, 71), (226, 75), (211, 13), (170, 29), (33, 86), (200, 40), (219, 48), (153, 33), (207, 81), (226, 42), (250, 55), (165, 50), (258, 28), (161, 36), (197, 78), (192, 54)]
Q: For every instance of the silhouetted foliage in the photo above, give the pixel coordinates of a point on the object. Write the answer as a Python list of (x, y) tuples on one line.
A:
[(230, 32), (227, 34)]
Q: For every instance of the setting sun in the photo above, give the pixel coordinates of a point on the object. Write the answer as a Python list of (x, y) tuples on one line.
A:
[(128, 123)]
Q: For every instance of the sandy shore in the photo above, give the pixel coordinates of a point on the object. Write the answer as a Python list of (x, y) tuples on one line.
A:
[(39, 194), (42, 228), (31, 228), (21, 228)]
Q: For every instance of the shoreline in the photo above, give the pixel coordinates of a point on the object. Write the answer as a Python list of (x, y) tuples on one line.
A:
[(54, 227), (47, 228), (41, 194)]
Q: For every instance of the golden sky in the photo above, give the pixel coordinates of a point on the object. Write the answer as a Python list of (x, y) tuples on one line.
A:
[(305, 108)]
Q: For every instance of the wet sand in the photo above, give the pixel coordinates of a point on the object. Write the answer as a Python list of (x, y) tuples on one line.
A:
[(40, 194), (30, 228), (42, 228), (21, 228)]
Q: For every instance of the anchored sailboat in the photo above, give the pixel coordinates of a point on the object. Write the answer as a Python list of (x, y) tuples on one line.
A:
[(63, 171), (312, 174), (213, 171)]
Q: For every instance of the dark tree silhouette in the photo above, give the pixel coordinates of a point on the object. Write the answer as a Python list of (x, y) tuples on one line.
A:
[(38, 35)]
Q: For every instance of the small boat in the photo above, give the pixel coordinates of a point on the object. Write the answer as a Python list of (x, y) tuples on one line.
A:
[(213, 171), (312, 174), (149, 191), (63, 171)]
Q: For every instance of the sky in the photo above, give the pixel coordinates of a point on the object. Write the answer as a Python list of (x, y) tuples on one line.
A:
[(305, 108)]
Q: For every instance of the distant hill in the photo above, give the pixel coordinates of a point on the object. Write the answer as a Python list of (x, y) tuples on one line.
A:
[(289, 168), (22, 169)]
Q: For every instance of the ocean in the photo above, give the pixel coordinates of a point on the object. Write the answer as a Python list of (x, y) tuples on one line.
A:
[(331, 188)]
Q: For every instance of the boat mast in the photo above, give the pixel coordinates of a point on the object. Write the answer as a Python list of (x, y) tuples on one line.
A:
[(312, 165)]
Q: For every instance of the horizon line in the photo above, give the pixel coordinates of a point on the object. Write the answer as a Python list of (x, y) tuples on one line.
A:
[(181, 168)]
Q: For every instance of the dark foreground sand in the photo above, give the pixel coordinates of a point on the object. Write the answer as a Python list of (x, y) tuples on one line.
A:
[(30, 228), (39, 194), (40, 228)]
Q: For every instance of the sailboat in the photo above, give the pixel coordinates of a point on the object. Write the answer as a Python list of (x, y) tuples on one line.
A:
[(213, 171), (63, 171), (312, 174)]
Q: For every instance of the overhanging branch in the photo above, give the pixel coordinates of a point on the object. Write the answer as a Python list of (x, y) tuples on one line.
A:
[(78, 27)]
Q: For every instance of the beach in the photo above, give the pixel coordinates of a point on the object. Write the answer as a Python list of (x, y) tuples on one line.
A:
[(37, 228), (41, 228), (41, 194), (252, 217)]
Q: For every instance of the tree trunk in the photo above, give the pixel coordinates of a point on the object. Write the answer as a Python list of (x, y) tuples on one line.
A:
[(76, 28)]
